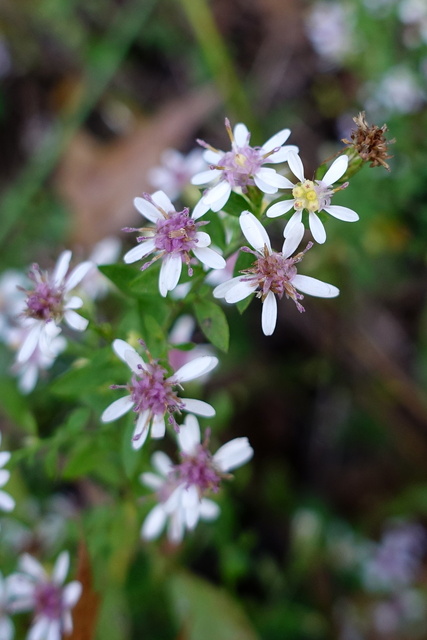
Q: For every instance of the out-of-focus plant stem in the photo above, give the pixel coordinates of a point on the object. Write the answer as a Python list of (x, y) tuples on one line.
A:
[(219, 61), (104, 60)]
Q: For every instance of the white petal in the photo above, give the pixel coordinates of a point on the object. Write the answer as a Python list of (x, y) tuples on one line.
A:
[(209, 510), (223, 288), (200, 209), (61, 567), (74, 303), (265, 187), (30, 566), (209, 257), (212, 157), (276, 141), (271, 177), (194, 369), (163, 201), (30, 343), (170, 273), (117, 409), (7, 503), (342, 213), (151, 480), (203, 239), (129, 356), (147, 209), (336, 170), (77, 275), (191, 504), (154, 523), (204, 177), (176, 527), (140, 251), (4, 476), (295, 219), (296, 166), (282, 154), (280, 208), (292, 241), (254, 231), (4, 457), (233, 454), (75, 321), (241, 134), (189, 434), (140, 432), (28, 378), (217, 193), (316, 227), (269, 314), (6, 628), (161, 462), (72, 593), (198, 407), (158, 427), (40, 629), (240, 291), (61, 267), (314, 287)]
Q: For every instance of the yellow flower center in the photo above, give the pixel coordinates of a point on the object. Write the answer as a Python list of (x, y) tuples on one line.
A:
[(306, 196)]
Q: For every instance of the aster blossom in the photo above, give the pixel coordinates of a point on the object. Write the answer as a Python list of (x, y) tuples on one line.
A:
[(46, 595), (172, 239), (182, 488), (241, 167), (313, 196), (272, 274), (175, 171), (7, 503), (152, 393), (51, 302)]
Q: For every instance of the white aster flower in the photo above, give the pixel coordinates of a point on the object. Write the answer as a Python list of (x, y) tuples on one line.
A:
[(49, 303), (271, 274), (47, 596), (314, 196), (172, 239), (176, 171), (7, 630), (241, 167), (152, 395), (7, 503), (181, 488)]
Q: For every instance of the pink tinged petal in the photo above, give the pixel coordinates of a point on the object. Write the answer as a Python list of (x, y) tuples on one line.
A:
[(170, 273), (212, 157), (198, 407), (240, 291), (117, 409), (7, 503), (313, 287), (30, 566), (269, 314), (61, 267), (295, 219), (280, 208), (233, 454), (254, 231), (241, 134), (77, 275), (264, 186), (161, 462), (75, 321), (30, 343), (200, 209), (140, 432), (336, 170), (151, 480), (271, 177), (154, 523), (217, 193), (163, 201), (222, 289), (147, 209), (194, 369), (210, 258), (60, 570), (204, 177), (140, 251), (292, 241), (189, 435), (158, 428), (342, 213), (72, 593), (203, 239), (74, 303), (316, 227), (296, 166), (4, 457), (209, 510), (276, 141)]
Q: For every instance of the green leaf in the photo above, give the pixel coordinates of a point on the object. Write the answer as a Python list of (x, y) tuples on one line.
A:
[(15, 405), (207, 612), (236, 204), (153, 336), (87, 376), (213, 322), (120, 274)]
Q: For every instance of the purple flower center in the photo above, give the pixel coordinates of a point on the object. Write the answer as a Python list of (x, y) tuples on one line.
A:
[(240, 165), (45, 302), (151, 391), (197, 469), (177, 233), (48, 598)]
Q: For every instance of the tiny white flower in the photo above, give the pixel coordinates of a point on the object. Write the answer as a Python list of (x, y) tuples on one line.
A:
[(7, 503), (182, 488), (272, 274), (172, 239), (314, 197), (152, 393), (51, 302), (241, 167), (176, 171)]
